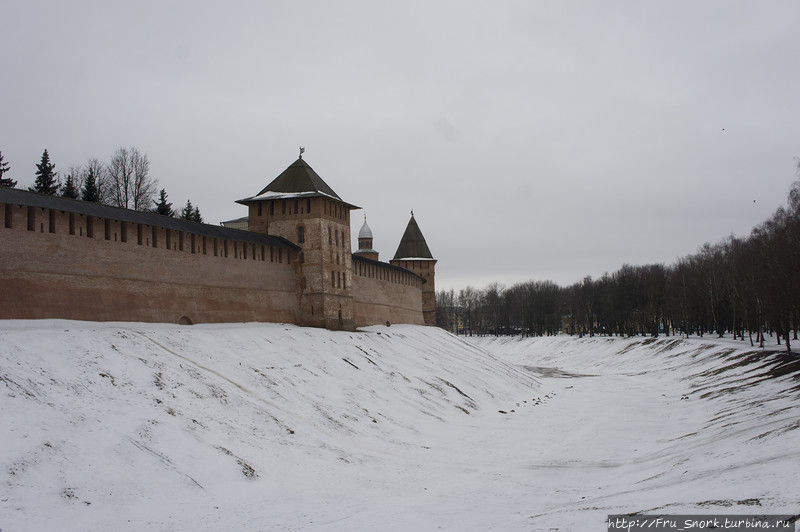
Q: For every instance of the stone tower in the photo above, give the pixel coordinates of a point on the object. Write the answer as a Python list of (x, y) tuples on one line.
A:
[(413, 254), (300, 207), (365, 248)]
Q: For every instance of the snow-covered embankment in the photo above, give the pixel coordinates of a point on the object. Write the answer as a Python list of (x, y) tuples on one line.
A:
[(230, 426), (273, 427), (667, 425)]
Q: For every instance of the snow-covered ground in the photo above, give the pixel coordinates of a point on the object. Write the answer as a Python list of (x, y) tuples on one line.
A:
[(120, 426)]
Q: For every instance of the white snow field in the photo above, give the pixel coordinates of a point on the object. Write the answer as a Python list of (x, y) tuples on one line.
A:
[(131, 426)]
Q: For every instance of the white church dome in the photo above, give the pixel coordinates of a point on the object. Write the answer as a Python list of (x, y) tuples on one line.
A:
[(365, 231)]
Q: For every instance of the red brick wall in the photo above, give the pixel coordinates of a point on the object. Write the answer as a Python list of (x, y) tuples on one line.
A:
[(426, 270), (384, 294), (51, 268), (47, 272)]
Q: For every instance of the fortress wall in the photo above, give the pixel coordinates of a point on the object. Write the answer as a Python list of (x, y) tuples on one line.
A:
[(56, 264), (383, 294), (425, 269)]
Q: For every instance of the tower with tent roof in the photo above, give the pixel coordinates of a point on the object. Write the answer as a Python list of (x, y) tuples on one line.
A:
[(300, 207), (338, 288), (413, 254)]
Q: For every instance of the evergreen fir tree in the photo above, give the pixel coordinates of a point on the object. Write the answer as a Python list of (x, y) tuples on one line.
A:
[(5, 181), (162, 206), (196, 215), (90, 192), (69, 190), (187, 213), (46, 177)]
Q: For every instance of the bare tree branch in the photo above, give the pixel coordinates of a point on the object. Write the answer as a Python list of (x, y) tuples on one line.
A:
[(129, 179)]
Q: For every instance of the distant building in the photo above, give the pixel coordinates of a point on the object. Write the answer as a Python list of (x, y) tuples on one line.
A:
[(238, 223), (62, 258)]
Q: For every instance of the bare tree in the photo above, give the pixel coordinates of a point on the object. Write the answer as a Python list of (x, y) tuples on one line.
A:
[(493, 308), (468, 299), (101, 191), (73, 182), (129, 178), (446, 310)]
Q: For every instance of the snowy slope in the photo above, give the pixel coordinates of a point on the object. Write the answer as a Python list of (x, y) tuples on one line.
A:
[(276, 427), (211, 427), (662, 426)]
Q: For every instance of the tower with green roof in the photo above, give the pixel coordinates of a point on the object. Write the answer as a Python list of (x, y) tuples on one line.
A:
[(298, 205), (413, 254)]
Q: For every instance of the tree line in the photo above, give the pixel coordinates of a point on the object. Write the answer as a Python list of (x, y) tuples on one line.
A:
[(748, 287), (124, 181)]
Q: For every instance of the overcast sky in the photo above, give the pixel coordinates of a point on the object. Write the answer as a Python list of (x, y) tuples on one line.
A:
[(534, 140)]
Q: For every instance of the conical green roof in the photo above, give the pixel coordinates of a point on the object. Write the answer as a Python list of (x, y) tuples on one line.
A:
[(299, 177), (412, 245), (298, 180)]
